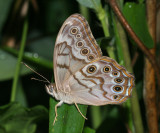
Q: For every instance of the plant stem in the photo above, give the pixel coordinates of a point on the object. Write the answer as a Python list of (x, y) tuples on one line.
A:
[(149, 88), (84, 11), (132, 105), (18, 65), (96, 116), (104, 20)]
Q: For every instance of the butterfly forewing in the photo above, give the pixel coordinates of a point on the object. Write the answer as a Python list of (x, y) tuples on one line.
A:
[(75, 47)]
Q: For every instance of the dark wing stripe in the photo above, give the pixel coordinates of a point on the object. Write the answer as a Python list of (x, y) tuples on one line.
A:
[(101, 81)]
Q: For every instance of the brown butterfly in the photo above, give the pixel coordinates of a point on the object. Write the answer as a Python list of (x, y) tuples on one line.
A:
[(82, 75)]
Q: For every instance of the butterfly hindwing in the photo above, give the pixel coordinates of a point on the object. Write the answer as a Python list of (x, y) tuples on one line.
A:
[(101, 82)]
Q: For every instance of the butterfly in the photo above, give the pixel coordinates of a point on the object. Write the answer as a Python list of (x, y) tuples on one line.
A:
[(82, 75)]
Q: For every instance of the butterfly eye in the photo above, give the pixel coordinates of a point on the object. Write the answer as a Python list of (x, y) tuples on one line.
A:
[(115, 97), (74, 30), (118, 80), (115, 73), (117, 88), (90, 57), (78, 36), (91, 69), (106, 69), (80, 44), (84, 51)]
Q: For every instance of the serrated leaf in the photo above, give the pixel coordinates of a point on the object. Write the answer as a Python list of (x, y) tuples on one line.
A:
[(136, 17)]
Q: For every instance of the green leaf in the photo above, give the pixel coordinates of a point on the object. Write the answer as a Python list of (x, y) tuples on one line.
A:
[(94, 4), (69, 120), (43, 47), (4, 9), (88, 130), (7, 66), (17, 119), (136, 17)]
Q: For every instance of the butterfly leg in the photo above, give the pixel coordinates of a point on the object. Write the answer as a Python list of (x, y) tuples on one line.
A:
[(80, 111), (57, 105)]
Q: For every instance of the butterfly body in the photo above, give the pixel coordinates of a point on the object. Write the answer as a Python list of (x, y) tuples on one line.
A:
[(82, 75), (59, 95)]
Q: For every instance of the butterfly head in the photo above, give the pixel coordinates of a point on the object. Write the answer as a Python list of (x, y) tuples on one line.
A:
[(50, 89)]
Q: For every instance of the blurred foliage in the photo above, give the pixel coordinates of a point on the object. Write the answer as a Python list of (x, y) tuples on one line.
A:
[(17, 119), (136, 16), (45, 18)]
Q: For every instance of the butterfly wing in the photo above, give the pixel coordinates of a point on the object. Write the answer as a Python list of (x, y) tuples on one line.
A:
[(75, 47), (102, 81)]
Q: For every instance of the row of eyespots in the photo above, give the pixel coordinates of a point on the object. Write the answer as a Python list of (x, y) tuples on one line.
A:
[(106, 69), (80, 44), (74, 31), (117, 88), (85, 52), (91, 69)]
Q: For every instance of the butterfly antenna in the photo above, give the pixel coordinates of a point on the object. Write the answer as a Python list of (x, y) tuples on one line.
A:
[(36, 73), (39, 80)]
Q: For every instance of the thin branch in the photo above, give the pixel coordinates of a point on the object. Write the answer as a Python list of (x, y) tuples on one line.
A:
[(149, 90)]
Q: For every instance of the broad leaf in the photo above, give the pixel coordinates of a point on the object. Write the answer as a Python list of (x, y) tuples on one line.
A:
[(17, 119), (136, 17)]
